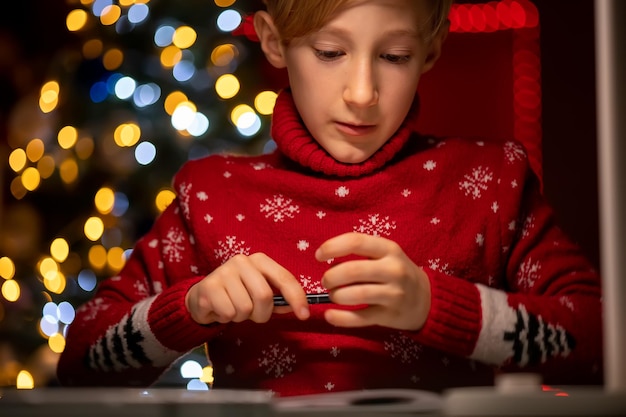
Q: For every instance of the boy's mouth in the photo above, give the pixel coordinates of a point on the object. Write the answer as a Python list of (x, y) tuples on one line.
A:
[(355, 129)]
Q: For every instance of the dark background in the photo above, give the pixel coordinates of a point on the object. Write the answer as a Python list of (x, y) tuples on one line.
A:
[(34, 30)]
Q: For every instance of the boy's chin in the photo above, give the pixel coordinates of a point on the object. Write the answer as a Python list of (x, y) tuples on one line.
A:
[(350, 157)]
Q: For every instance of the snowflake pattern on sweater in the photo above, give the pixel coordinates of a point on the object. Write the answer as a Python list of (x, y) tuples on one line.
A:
[(509, 290)]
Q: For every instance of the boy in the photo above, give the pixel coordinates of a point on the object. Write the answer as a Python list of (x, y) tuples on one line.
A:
[(440, 256)]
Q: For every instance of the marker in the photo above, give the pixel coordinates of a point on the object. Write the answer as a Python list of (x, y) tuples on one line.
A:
[(279, 300)]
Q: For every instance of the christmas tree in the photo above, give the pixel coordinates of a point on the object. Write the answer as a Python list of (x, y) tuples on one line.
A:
[(143, 86)]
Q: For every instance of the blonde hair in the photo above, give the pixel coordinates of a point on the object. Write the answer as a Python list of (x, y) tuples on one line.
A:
[(295, 18)]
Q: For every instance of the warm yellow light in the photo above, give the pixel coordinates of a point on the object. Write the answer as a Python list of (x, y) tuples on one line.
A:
[(224, 3), (47, 107), (86, 2), (223, 55), (207, 375), (170, 56), (173, 100), (35, 150), (227, 86), (69, 170), (56, 283), (126, 3), (104, 200), (59, 249), (31, 179), (56, 343), (110, 14), (127, 134), (11, 290), (76, 20), (51, 86), (92, 48), (184, 37), (84, 148), (113, 59), (94, 228), (7, 268), (17, 160), (115, 259), (25, 380), (163, 199), (265, 101), (97, 257), (239, 111), (67, 137), (49, 97), (46, 166), (48, 267)]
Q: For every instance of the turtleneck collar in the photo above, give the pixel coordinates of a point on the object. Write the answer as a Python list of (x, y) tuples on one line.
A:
[(294, 141)]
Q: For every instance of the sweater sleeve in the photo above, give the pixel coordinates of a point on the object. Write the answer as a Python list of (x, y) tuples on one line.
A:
[(542, 315), (137, 325)]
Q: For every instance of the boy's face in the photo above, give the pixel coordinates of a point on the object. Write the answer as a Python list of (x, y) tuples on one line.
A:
[(354, 80)]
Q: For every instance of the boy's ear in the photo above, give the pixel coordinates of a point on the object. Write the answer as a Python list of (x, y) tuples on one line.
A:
[(435, 47), (270, 39)]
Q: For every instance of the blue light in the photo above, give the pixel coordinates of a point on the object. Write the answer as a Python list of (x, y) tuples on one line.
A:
[(183, 71), (191, 369), (145, 153), (66, 312), (163, 36), (120, 205), (87, 280), (112, 80), (228, 20), (125, 87), (99, 6), (146, 95), (50, 312), (199, 126), (99, 92), (197, 385), (48, 327), (137, 13), (123, 25), (270, 146), (251, 129)]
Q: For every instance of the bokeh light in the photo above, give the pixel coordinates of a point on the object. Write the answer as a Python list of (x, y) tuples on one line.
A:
[(163, 199), (25, 380), (94, 227), (7, 268)]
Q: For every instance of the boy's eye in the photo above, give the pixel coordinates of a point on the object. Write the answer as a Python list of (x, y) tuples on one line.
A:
[(328, 55), (396, 59)]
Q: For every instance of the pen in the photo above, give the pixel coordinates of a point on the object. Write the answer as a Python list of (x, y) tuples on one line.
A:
[(279, 300)]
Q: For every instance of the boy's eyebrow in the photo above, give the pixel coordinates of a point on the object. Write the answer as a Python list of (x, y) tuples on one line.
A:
[(342, 33)]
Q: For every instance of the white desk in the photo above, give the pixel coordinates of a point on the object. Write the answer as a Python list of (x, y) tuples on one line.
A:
[(159, 402)]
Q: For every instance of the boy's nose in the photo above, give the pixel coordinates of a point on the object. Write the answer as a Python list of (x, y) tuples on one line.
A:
[(361, 86)]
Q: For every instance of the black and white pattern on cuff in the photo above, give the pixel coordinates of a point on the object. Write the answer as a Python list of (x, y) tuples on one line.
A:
[(535, 341), (129, 344), (512, 335)]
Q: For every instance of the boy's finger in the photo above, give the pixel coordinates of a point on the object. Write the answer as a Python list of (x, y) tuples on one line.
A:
[(353, 318), (352, 243), (281, 279)]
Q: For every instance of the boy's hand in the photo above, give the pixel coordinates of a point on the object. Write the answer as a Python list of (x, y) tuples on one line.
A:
[(241, 289), (395, 290)]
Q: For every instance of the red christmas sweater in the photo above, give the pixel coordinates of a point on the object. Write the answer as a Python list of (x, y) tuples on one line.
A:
[(509, 290)]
